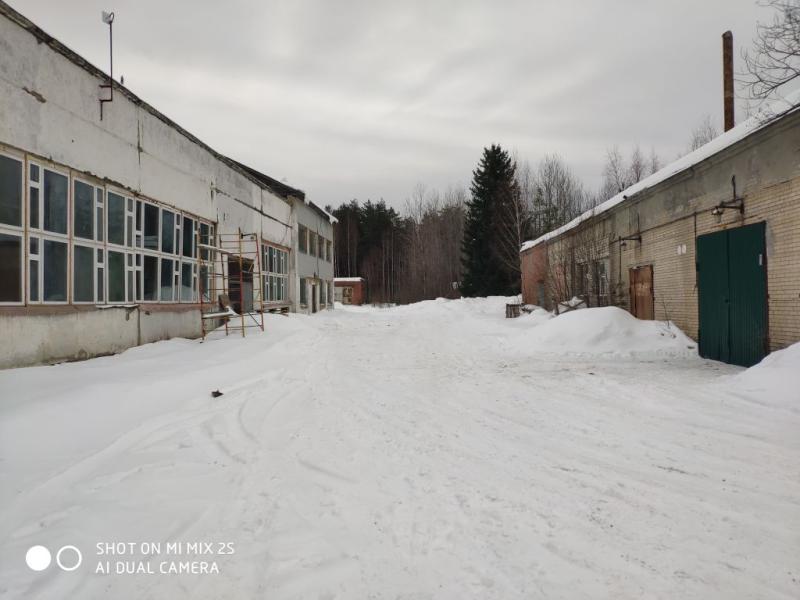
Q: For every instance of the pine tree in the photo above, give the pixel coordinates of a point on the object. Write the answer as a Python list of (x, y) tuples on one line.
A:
[(493, 182)]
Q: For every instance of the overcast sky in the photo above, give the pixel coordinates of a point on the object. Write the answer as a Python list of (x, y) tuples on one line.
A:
[(367, 99)]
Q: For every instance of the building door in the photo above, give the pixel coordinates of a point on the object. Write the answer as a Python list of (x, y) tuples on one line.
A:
[(314, 296), (732, 295), (642, 300), (240, 284)]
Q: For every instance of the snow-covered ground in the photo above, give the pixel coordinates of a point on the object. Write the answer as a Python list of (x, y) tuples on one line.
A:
[(429, 451)]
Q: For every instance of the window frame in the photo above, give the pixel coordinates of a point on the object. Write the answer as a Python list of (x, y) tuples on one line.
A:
[(275, 275), (43, 235), (20, 230)]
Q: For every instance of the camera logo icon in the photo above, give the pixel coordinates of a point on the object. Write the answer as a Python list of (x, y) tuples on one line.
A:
[(68, 558)]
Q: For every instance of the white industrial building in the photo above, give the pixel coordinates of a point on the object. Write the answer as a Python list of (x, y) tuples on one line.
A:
[(100, 218)]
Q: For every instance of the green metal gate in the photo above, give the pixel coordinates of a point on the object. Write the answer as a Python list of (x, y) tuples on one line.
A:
[(732, 295)]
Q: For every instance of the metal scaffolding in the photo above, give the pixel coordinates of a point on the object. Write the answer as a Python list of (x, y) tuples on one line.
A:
[(231, 283)]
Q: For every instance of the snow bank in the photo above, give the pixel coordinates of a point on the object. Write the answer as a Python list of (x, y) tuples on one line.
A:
[(775, 380), (609, 330)]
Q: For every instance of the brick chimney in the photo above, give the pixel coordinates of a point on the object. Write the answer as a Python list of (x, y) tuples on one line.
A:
[(727, 78)]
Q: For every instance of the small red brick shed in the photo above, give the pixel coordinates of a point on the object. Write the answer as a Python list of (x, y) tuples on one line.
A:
[(350, 290)]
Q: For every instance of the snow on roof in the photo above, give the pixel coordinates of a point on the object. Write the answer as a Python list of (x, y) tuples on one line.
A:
[(766, 115), (331, 218), (347, 279)]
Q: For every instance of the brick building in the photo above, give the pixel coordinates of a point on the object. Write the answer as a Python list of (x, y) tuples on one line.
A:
[(711, 242), (350, 290)]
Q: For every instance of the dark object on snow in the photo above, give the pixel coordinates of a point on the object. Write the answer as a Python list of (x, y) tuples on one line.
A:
[(512, 310), (216, 394)]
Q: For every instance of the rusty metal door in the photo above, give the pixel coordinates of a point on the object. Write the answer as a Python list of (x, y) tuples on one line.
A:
[(642, 299)]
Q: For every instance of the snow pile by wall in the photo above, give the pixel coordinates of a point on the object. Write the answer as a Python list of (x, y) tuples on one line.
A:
[(776, 379), (609, 331)]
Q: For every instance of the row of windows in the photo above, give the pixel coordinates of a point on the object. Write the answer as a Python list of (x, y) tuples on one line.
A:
[(83, 243), (275, 279), (314, 244)]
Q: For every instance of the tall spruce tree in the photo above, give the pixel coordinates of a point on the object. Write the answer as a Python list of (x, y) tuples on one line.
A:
[(485, 273)]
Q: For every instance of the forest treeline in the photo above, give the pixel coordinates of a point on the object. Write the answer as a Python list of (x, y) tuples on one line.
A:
[(466, 242)]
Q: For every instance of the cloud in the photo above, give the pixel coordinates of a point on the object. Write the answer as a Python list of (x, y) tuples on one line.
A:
[(365, 99)]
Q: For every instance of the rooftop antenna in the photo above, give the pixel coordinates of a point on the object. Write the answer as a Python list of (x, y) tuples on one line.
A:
[(108, 19)]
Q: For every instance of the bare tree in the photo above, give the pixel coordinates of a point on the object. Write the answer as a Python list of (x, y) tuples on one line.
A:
[(637, 170), (703, 133), (775, 59), (558, 195), (655, 162), (615, 173)]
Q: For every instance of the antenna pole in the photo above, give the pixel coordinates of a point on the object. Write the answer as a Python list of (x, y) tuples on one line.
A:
[(109, 19)]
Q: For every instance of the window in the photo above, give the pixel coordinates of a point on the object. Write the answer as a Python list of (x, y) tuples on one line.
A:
[(188, 271), (55, 202), (275, 279), (150, 278), (116, 219), (34, 272), (167, 231), (101, 296), (329, 256), (10, 268), (321, 248), (302, 241), (55, 271), (312, 243), (99, 221), (166, 279), (152, 253), (205, 238), (83, 202), (34, 197), (151, 229), (303, 293), (10, 191), (83, 274), (116, 275), (188, 237)]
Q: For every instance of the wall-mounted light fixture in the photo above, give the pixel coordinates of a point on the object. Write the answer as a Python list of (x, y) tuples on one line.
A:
[(623, 241), (108, 19), (736, 202)]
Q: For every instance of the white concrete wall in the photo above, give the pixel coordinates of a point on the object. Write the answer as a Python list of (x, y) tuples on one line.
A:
[(49, 108), (78, 335), (308, 266)]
